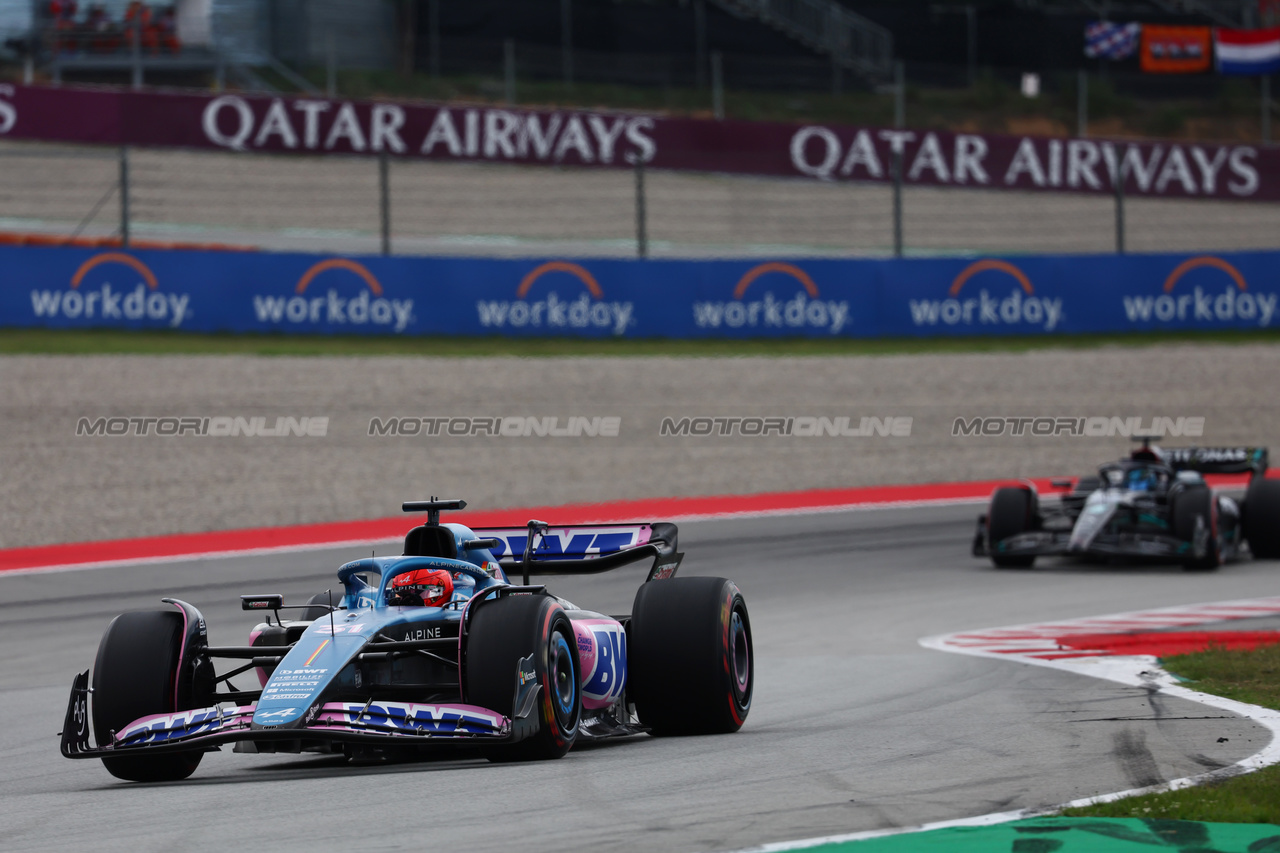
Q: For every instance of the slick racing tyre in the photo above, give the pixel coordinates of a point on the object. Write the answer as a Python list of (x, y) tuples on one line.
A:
[(501, 634), (1194, 516), (691, 667), (1262, 519), (134, 676), (318, 606), (1012, 511)]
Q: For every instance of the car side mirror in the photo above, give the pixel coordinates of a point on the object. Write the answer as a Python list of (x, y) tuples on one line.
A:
[(261, 602)]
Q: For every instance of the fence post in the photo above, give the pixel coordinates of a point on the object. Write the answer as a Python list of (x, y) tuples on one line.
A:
[(124, 196), (28, 69), (384, 199), (433, 37), (137, 52), (642, 226), (971, 14), (1118, 183), (509, 71), (1266, 109), (717, 85), (566, 40), (219, 72), (1082, 104), (331, 67), (899, 121), (700, 44), (899, 94)]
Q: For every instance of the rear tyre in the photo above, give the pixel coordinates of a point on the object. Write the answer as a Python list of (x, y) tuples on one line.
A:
[(1194, 518), (1012, 511), (318, 606), (1086, 486), (135, 675), (501, 633), (691, 666), (1262, 518)]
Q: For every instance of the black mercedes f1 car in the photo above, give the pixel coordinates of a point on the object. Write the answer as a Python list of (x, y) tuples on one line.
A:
[(1153, 506)]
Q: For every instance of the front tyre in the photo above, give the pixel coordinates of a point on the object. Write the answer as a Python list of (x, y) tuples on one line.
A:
[(1195, 521), (1012, 511), (134, 676), (1262, 518), (501, 634), (691, 664)]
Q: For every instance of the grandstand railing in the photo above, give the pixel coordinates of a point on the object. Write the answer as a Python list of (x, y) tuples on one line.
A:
[(852, 41)]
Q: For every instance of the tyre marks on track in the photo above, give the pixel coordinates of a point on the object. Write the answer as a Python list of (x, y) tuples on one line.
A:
[(1098, 647)]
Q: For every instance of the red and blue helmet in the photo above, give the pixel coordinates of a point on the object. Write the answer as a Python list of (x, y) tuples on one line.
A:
[(420, 588)]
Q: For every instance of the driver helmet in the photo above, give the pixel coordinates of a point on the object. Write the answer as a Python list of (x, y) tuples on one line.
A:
[(1143, 480), (420, 588)]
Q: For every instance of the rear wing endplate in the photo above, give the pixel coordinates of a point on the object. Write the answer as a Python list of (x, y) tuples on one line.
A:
[(585, 549)]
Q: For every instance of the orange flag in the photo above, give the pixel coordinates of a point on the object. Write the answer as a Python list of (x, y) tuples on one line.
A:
[(1176, 50)]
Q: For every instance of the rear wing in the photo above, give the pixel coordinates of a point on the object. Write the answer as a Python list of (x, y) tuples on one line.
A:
[(1217, 460), (584, 549)]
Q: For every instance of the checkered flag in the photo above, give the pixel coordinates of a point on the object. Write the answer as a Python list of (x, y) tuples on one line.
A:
[(1105, 40)]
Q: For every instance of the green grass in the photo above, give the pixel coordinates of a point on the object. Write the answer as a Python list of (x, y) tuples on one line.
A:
[(106, 342), (1247, 676)]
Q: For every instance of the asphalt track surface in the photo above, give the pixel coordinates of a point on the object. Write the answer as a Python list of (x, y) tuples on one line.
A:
[(854, 725)]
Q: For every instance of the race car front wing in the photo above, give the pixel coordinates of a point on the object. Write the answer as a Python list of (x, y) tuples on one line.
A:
[(1048, 543), (370, 723)]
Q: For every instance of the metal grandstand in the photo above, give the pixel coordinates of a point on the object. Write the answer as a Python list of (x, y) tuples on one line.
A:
[(1227, 13), (852, 41)]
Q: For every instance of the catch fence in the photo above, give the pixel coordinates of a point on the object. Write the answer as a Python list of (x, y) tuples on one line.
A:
[(409, 206)]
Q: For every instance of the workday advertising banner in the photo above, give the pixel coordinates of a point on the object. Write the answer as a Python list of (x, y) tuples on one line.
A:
[(306, 294)]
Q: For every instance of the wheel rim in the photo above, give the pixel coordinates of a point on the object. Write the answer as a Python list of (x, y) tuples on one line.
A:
[(740, 655), (563, 675)]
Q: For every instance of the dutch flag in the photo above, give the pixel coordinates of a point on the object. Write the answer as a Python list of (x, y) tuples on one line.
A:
[(1248, 52)]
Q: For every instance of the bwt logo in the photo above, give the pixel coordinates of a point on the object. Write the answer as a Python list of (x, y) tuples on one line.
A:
[(565, 542), (162, 728), (803, 311), (425, 719), (1020, 307), (1235, 302), (588, 311), (367, 308), (142, 302)]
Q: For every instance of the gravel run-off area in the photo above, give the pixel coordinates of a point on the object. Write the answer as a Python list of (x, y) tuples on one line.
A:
[(60, 487)]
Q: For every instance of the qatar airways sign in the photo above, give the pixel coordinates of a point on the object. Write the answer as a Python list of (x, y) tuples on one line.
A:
[(318, 126), (964, 159), (312, 125)]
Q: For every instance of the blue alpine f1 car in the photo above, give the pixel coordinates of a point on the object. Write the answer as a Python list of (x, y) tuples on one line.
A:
[(435, 648)]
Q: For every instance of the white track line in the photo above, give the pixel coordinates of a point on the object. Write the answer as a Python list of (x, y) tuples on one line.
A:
[(1131, 670)]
